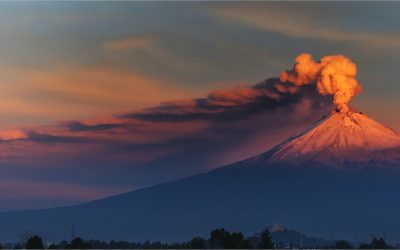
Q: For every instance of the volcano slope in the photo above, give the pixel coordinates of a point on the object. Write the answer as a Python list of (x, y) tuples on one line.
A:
[(338, 178)]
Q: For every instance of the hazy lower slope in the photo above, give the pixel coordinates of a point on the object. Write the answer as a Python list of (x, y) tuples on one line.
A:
[(317, 202)]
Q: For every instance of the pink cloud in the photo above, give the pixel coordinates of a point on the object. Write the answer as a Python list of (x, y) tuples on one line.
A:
[(8, 135)]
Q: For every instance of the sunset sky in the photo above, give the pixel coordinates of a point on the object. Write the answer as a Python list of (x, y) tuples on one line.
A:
[(100, 98)]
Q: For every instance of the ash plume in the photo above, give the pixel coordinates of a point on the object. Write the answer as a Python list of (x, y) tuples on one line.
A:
[(332, 75)]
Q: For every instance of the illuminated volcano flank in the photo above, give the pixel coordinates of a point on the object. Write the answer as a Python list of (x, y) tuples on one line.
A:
[(340, 139)]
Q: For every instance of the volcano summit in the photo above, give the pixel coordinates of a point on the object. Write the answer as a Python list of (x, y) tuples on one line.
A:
[(341, 139)]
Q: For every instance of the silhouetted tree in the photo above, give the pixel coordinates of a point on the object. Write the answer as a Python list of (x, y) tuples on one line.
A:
[(197, 243), (18, 246), (34, 242), (63, 244), (146, 245), (236, 240), (52, 246), (220, 238), (246, 245), (379, 244), (265, 240), (217, 238), (78, 243), (376, 244), (342, 244)]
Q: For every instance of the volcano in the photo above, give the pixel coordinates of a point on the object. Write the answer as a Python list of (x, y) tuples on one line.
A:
[(338, 178)]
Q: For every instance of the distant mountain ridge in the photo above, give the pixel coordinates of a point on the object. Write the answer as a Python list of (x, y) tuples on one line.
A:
[(289, 238)]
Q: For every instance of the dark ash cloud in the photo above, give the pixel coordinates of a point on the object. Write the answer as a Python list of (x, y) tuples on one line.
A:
[(77, 126), (48, 138), (229, 105)]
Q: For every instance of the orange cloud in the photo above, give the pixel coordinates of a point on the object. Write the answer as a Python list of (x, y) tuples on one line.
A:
[(8, 135), (44, 95), (231, 97)]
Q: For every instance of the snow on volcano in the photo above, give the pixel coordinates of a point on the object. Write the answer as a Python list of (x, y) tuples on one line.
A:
[(340, 139)]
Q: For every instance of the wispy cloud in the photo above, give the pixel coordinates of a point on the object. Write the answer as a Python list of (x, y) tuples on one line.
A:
[(297, 25), (146, 48), (129, 43)]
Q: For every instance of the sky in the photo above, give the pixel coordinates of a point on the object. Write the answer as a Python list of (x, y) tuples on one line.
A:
[(101, 98)]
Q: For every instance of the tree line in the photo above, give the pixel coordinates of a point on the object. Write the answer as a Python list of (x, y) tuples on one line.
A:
[(218, 239)]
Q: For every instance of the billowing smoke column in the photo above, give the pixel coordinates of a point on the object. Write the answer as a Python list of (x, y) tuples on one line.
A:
[(333, 75)]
